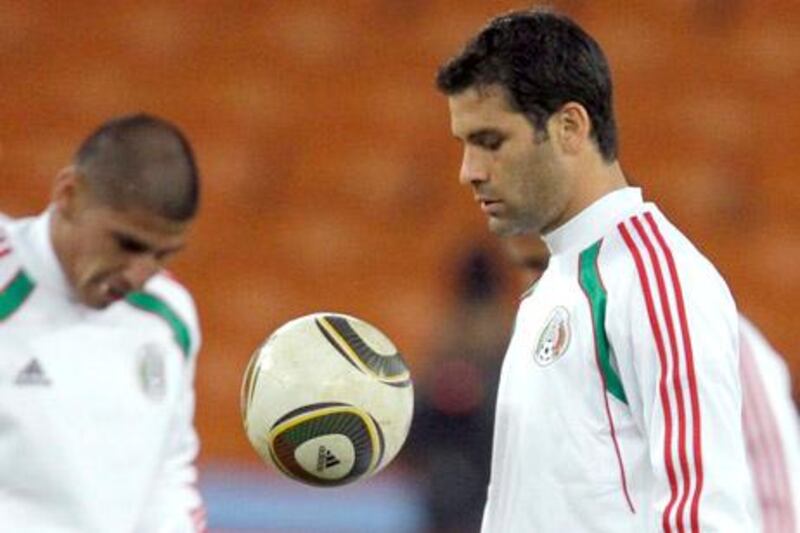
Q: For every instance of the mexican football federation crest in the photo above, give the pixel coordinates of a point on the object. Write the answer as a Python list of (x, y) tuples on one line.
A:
[(554, 338), (151, 371)]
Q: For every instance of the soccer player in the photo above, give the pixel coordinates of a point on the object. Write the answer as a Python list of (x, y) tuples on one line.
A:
[(99, 344), (619, 405), (770, 417)]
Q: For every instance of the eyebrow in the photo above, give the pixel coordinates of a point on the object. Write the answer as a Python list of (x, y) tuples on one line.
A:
[(145, 247)]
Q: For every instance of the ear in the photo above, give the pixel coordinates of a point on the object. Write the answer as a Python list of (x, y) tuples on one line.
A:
[(66, 192), (572, 127)]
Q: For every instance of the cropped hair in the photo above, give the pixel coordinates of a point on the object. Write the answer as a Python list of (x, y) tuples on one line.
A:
[(542, 60), (141, 161)]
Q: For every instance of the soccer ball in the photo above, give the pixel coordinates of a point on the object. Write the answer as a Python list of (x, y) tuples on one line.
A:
[(327, 400)]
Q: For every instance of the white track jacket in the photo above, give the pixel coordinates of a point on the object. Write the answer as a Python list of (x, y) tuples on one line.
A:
[(96, 407), (772, 432), (620, 406)]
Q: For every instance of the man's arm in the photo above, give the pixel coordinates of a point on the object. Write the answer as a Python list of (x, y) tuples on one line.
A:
[(772, 431), (175, 504), (673, 327)]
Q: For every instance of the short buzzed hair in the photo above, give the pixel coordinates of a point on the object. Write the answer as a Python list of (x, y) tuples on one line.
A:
[(141, 161)]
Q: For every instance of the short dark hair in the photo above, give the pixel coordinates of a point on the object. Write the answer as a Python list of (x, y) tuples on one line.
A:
[(141, 161), (542, 60)]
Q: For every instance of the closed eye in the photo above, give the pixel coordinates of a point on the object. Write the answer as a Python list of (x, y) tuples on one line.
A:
[(132, 245), (129, 244), (491, 140)]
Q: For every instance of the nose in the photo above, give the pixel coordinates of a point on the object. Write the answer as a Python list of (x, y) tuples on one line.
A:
[(474, 168), (140, 269)]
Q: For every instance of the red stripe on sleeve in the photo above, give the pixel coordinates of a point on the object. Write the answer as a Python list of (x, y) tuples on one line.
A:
[(690, 371), (765, 448), (198, 515), (758, 447), (666, 314), (662, 385)]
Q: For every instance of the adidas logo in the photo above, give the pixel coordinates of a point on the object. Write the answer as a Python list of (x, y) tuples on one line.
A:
[(32, 374), (326, 459)]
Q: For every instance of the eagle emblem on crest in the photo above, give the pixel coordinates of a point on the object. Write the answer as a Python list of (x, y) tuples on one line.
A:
[(554, 339), (152, 371)]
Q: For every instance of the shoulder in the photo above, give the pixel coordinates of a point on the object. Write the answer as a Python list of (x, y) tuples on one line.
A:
[(656, 278), (6, 248), (647, 250), (10, 262), (753, 343), (15, 283), (167, 298), (172, 291), (5, 223)]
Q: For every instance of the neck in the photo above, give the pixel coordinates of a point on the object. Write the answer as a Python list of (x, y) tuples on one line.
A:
[(598, 182), (592, 183), (59, 238)]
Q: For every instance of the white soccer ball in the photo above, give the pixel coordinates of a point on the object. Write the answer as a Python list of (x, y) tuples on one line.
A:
[(327, 400)]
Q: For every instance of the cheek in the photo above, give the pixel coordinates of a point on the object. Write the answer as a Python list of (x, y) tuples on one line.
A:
[(527, 174), (98, 262), (539, 187)]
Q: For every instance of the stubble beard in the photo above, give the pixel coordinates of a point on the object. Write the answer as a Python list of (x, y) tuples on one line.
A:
[(515, 223)]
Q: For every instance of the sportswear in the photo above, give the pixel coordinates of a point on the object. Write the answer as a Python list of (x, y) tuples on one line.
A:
[(96, 406), (772, 432), (619, 405)]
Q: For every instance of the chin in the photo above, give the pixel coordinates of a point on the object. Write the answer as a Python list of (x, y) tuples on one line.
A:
[(505, 228), (99, 306), (97, 302)]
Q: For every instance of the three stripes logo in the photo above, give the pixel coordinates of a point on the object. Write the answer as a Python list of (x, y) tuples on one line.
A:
[(326, 459), (32, 374), (663, 298), (317, 420)]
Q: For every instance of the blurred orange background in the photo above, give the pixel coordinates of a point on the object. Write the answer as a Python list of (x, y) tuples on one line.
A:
[(330, 177)]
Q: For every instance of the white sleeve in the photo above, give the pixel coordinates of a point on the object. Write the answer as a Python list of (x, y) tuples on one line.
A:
[(772, 431), (175, 504), (673, 328)]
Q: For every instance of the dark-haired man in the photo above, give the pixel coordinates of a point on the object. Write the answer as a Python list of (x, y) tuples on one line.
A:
[(770, 418), (619, 407), (99, 345)]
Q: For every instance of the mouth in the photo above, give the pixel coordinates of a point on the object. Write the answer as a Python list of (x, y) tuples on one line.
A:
[(113, 293), (488, 205)]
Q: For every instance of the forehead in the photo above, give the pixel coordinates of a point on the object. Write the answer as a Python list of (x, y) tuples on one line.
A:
[(482, 108)]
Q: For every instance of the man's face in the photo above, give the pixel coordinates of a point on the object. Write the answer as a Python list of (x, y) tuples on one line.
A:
[(107, 253), (515, 173)]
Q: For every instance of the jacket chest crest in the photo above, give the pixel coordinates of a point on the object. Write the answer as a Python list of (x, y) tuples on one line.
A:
[(554, 338)]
